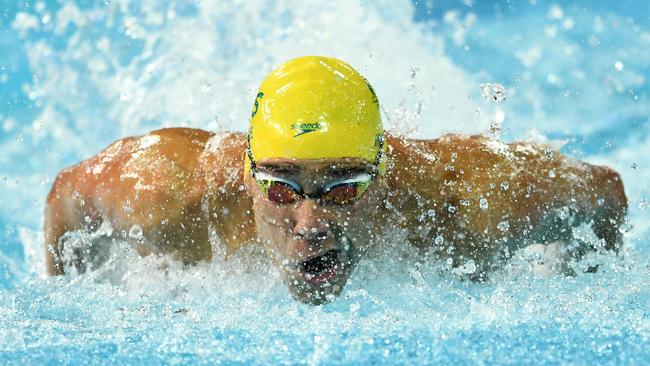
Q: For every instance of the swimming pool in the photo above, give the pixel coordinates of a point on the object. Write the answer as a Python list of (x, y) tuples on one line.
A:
[(81, 74)]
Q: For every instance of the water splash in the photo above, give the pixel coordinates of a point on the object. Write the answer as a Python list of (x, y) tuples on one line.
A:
[(101, 71)]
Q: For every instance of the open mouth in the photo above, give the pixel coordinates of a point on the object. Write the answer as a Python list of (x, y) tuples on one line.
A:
[(320, 269)]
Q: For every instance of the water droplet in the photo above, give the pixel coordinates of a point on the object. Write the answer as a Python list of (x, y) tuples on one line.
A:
[(431, 213), (464, 202), (19, 137), (136, 232), (504, 186), (495, 130), (551, 173), (414, 71), (503, 225), (634, 166), (493, 92), (451, 209), (483, 203), (555, 12), (643, 204), (469, 267), (419, 106), (206, 84), (439, 240), (600, 201), (127, 207), (618, 66)]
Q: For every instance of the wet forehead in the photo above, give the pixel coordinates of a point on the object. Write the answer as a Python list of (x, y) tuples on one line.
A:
[(315, 167)]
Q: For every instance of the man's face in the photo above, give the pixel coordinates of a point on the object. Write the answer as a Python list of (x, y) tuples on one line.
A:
[(315, 246)]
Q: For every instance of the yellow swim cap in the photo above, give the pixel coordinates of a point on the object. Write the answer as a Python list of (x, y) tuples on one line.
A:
[(316, 107)]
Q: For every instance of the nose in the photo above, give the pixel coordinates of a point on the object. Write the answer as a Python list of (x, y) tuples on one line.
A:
[(310, 222)]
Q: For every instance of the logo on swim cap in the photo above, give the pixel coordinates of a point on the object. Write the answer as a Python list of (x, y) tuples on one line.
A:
[(303, 128)]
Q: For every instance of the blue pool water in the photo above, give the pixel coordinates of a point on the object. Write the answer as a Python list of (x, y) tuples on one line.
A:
[(75, 76)]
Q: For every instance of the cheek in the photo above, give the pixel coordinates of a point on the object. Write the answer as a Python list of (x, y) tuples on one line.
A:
[(272, 224), (360, 219), (354, 220)]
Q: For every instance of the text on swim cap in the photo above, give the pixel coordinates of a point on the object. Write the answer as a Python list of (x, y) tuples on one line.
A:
[(303, 128)]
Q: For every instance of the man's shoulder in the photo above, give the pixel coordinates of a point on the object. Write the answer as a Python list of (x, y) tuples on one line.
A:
[(222, 160), (446, 141), (455, 147)]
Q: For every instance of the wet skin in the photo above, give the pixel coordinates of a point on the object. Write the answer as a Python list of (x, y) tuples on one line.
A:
[(482, 197)]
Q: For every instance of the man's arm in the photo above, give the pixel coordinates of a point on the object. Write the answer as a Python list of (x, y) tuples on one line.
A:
[(153, 182), (478, 195)]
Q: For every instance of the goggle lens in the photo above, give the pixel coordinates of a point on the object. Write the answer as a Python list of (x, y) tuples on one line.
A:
[(281, 193), (342, 194)]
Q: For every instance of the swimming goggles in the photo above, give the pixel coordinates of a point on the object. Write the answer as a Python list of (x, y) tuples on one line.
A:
[(341, 192)]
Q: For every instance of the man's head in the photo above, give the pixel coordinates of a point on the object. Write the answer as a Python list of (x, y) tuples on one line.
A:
[(315, 147)]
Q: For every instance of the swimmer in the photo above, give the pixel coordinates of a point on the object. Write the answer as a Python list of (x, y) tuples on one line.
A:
[(318, 182)]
